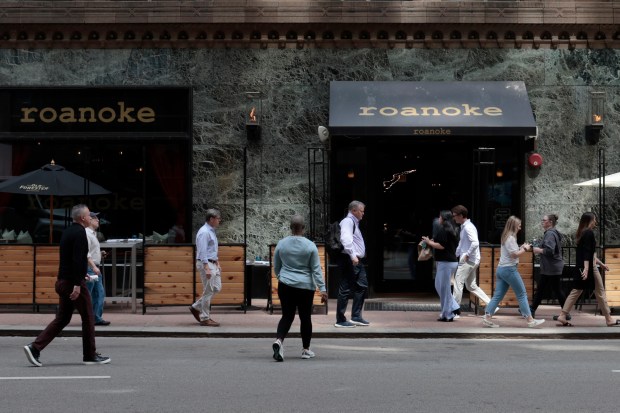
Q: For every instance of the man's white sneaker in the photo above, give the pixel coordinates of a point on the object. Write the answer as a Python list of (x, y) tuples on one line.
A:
[(33, 355), (307, 354), (535, 323), (487, 322)]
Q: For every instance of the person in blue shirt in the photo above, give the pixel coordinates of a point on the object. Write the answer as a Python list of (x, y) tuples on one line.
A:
[(298, 270), (208, 265)]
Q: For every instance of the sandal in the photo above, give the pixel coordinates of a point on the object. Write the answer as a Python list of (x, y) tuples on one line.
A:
[(616, 324)]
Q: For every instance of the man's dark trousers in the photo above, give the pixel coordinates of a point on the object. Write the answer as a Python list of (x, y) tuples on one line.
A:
[(353, 281), (83, 305)]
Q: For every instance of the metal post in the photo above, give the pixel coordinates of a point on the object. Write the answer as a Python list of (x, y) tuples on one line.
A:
[(245, 196), (601, 196)]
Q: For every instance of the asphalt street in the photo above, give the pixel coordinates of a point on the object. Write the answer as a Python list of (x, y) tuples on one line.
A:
[(361, 375)]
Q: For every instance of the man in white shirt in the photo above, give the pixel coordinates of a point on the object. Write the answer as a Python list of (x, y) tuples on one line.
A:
[(209, 268), (468, 252), (95, 282), (352, 271)]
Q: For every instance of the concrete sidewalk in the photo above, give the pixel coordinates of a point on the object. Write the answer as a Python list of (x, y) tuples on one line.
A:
[(179, 322)]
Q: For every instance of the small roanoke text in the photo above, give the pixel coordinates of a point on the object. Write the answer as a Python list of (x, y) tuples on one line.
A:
[(435, 131)]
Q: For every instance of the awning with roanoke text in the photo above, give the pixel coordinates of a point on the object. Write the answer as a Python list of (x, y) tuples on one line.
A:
[(426, 109)]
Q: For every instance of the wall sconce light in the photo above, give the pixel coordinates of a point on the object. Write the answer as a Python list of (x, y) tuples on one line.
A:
[(254, 111), (596, 117), (351, 174)]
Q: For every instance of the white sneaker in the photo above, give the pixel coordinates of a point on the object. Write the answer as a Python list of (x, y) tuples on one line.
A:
[(456, 317), (307, 354), (487, 322), (535, 323), (278, 350)]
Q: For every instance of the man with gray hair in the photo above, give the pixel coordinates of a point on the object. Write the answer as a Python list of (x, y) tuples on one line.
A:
[(352, 272), (209, 268), (72, 292)]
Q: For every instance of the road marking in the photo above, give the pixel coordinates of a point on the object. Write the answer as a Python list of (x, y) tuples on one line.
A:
[(615, 371), (359, 348), (56, 378)]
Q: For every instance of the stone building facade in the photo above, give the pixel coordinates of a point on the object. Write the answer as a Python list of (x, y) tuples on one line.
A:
[(290, 51)]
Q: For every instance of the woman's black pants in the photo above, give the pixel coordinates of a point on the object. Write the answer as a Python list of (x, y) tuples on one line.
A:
[(293, 299)]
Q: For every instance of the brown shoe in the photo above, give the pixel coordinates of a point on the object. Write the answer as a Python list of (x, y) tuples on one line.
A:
[(195, 313), (209, 323)]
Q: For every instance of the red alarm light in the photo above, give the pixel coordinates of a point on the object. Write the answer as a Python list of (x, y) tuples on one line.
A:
[(535, 160)]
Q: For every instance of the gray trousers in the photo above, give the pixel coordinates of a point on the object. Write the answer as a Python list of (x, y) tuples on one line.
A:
[(209, 288)]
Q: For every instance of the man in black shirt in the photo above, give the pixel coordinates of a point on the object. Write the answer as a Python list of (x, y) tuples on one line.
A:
[(72, 291)]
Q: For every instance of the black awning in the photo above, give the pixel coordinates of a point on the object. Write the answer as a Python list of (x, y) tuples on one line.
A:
[(430, 108)]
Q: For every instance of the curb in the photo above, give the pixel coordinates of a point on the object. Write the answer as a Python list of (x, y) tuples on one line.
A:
[(471, 334)]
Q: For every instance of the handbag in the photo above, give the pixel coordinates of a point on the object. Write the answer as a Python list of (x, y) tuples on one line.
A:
[(424, 252)]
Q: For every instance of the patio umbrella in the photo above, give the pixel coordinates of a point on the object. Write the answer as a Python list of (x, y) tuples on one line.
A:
[(51, 179)]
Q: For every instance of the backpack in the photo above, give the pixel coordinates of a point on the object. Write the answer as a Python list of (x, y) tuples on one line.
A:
[(332, 239)]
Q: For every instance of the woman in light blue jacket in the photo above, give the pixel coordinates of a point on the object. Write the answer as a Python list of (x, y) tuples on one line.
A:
[(298, 269)]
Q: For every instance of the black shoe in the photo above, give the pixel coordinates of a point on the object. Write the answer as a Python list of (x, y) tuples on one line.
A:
[(97, 359), (102, 323), (457, 312), (33, 355)]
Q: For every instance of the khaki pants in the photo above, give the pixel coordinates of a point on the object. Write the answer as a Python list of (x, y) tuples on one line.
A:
[(599, 293), (466, 276), (210, 287)]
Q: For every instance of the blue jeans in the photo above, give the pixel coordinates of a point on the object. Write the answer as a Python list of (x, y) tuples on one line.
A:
[(97, 293), (353, 281), (442, 285), (509, 277)]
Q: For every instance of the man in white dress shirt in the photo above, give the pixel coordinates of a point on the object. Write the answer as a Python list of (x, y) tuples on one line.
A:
[(352, 271), (468, 252)]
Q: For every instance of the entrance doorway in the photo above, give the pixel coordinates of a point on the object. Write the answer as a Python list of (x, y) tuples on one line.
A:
[(405, 185)]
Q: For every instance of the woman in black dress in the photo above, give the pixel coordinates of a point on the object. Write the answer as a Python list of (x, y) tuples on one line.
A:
[(588, 276)]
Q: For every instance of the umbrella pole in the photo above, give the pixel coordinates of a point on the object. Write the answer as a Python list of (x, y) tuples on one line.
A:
[(51, 217)]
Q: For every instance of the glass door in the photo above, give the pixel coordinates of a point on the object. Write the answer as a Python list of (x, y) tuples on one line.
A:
[(415, 182)]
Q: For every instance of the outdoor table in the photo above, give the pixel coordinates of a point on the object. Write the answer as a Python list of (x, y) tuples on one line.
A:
[(131, 244)]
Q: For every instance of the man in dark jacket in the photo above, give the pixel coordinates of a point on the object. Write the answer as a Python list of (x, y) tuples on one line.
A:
[(72, 291)]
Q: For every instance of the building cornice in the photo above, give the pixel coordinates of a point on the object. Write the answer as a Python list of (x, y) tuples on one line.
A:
[(233, 24)]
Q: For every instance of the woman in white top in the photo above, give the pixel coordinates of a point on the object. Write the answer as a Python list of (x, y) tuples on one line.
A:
[(508, 276)]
